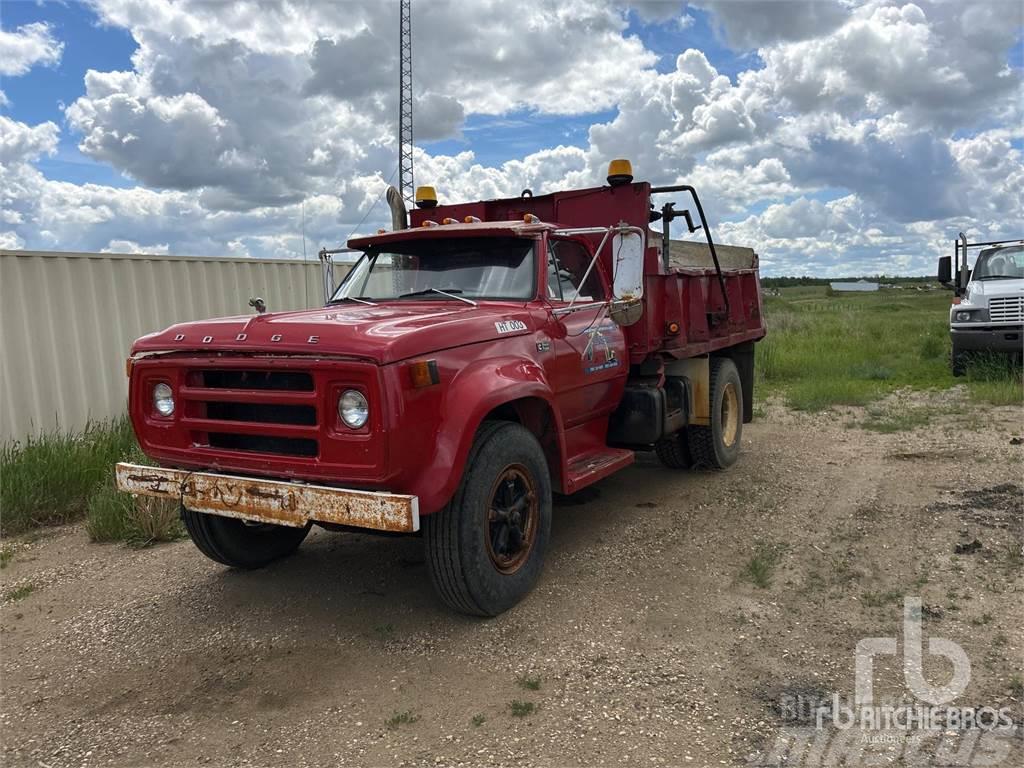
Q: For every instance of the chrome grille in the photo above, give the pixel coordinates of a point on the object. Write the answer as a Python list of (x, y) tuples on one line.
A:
[(1007, 309)]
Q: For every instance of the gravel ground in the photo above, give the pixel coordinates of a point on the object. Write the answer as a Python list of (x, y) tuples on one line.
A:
[(644, 643)]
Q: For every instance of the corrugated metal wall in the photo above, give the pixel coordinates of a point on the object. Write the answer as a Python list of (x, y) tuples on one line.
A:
[(67, 321)]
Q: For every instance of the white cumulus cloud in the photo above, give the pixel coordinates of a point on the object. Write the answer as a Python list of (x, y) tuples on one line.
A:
[(26, 47)]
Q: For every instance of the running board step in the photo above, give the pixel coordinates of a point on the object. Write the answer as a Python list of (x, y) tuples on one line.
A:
[(588, 469)]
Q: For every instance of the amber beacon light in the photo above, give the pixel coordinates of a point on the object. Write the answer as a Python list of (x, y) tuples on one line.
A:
[(620, 172)]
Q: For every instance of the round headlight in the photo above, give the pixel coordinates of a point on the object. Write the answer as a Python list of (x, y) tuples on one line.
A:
[(353, 408), (963, 317), (163, 399)]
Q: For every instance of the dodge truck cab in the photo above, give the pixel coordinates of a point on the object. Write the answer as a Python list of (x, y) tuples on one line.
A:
[(987, 313), (474, 361)]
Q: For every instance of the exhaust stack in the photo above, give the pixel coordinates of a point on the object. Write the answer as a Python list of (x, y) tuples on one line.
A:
[(399, 217)]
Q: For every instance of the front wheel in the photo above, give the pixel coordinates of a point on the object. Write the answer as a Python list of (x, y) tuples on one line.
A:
[(958, 360), (241, 544), (485, 550), (717, 446)]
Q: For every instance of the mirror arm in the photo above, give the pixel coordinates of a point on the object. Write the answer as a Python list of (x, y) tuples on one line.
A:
[(590, 267)]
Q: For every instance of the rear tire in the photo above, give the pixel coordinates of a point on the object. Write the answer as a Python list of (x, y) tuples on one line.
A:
[(485, 550), (674, 451), (718, 446), (238, 544)]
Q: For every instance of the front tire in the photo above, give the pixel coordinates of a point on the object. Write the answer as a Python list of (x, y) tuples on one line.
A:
[(485, 550), (958, 360), (718, 446), (239, 544)]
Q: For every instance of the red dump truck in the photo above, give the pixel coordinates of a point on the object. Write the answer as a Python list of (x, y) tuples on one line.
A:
[(476, 360)]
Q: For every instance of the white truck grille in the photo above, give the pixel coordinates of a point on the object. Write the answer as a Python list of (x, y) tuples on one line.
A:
[(1008, 309)]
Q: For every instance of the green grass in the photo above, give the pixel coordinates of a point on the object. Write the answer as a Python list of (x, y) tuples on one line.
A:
[(139, 522), (60, 477), (853, 349), (20, 593), (1017, 687), (897, 419), (528, 683), (992, 379), (478, 720), (49, 480), (521, 708), (6, 555), (761, 567), (401, 718), (880, 599)]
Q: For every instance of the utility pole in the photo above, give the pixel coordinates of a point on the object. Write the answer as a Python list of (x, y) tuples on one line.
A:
[(405, 139)]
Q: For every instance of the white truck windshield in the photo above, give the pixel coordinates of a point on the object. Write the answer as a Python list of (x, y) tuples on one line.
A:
[(1000, 263), (441, 269)]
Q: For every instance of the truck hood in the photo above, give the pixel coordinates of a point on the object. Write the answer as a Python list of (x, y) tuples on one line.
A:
[(979, 291), (385, 333)]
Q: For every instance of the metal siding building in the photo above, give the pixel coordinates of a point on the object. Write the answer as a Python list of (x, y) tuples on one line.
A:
[(68, 320), (860, 285)]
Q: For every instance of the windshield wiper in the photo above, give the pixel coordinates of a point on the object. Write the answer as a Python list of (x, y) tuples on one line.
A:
[(997, 277), (353, 298), (450, 293)]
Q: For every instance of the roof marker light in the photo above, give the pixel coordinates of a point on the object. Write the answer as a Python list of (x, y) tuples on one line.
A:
[(449, 220), (429, 223), (531, 219), (471, 220)]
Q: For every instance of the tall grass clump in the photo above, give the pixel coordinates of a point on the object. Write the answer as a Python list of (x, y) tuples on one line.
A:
[(139, 521), (48, 479), (995, 379)]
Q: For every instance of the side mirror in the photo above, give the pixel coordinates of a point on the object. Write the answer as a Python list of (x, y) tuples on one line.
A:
[(945, 270), (628, 266), (628, 270)]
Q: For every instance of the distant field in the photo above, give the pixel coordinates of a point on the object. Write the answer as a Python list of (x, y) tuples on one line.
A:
[(852, 349)]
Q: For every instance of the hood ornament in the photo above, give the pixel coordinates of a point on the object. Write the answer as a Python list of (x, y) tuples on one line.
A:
[(258, 304)]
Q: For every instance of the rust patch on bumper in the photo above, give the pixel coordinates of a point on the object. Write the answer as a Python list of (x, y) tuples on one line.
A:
[(272, 501)]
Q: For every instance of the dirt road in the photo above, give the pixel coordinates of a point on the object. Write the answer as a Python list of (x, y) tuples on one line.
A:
[(647, 642)]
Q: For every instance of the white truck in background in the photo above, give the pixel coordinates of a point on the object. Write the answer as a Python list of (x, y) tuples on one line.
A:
[(987, 313)]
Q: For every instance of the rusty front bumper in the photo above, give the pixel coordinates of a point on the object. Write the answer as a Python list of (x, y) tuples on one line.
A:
[(272, 501)]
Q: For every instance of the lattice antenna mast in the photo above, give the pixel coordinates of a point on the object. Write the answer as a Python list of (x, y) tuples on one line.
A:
[(405, 139)]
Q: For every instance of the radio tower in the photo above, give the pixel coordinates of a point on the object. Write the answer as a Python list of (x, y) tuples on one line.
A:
[(405, 185)]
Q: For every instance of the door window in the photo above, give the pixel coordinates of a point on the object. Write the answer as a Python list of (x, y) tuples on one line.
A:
[(567, 264)]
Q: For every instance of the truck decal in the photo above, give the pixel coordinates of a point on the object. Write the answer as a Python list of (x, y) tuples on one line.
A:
[(602, 366)]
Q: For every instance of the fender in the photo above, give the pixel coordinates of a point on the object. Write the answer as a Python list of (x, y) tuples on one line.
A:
[(475, 391)]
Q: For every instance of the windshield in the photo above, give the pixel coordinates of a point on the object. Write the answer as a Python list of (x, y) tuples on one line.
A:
[(1000, 263), (473, 268)]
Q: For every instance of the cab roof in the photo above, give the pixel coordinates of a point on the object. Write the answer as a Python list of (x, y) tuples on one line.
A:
[(475, 229)]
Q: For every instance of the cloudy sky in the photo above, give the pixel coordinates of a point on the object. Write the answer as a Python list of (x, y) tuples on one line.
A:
[(834, 137)]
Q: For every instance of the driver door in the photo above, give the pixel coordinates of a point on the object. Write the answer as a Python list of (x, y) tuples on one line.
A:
[(588, 362)]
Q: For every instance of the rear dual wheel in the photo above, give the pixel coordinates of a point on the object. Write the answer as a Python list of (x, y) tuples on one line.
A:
[(485, 550), (717, 445)]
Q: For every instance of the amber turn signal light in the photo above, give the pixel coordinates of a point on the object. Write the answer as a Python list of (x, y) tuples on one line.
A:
[(424, 373), (673, 328)]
